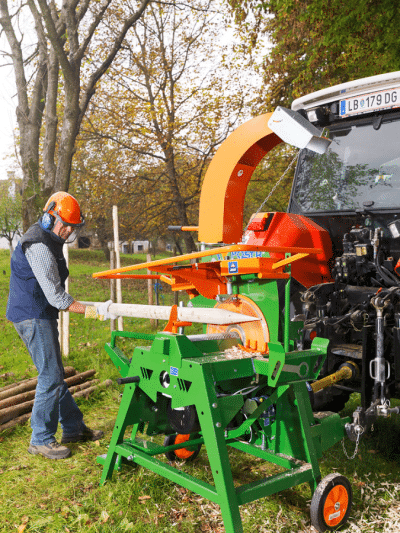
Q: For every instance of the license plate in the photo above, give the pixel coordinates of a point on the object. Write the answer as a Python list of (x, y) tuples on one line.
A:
[(370, 102)]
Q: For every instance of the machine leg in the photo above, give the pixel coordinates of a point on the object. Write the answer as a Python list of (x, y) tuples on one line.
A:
[(305, 415), (217, 451), (124, 419)]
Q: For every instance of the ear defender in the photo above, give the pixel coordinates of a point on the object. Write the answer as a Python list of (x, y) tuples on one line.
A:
[(47, 219)]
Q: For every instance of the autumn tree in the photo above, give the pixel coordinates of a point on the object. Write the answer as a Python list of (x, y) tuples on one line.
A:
[(10, 210), (57, 66), (170, 99), (318, 43)]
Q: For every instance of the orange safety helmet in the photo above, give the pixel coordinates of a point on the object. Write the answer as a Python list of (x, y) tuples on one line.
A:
[(62, 206)]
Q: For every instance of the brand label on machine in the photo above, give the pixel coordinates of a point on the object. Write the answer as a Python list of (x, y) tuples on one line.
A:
[(173, 371)]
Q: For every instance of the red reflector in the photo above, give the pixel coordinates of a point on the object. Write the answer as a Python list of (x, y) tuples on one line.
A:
[(313, 334)]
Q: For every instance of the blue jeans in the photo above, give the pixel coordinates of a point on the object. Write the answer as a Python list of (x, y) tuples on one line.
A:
[(53, 401)]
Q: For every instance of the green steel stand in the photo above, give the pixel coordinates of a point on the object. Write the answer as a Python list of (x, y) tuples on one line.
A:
[(175, 372)]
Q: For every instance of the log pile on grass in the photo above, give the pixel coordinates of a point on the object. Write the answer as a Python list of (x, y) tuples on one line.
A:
[(16, 399)]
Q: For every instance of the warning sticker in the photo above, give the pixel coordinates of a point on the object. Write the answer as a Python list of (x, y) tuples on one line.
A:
[(233, 267)]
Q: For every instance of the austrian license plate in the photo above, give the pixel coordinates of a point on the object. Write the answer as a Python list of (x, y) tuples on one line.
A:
[(370, 102)]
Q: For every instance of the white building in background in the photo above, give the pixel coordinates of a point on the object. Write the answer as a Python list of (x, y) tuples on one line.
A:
[(132, 247), (5, 245)]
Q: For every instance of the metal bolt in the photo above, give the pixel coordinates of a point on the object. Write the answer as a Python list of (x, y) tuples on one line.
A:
[(215, 405), (218, 424)]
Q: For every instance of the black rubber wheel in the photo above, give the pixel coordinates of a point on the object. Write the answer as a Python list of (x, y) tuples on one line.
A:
[(331, 503), (183, 454)]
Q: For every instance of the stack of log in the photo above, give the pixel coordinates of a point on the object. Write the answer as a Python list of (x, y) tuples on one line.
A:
[(16, 400)]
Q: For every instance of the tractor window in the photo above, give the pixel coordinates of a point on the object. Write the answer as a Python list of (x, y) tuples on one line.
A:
[(361, 165)]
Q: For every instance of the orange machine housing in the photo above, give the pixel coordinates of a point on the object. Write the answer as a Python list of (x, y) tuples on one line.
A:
[(287, 229)]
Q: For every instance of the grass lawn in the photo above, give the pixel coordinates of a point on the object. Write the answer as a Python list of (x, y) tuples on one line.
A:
[(39, 495)]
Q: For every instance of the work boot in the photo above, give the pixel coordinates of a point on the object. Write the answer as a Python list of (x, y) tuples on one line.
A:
[(82, 436), (51, 450)]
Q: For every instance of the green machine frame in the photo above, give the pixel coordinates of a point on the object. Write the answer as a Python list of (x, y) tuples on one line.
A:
[(258, 404)]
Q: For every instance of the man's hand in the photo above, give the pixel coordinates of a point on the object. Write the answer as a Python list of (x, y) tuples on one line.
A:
[(100, 311)]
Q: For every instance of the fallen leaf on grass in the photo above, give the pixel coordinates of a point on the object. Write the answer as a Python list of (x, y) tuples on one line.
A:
[(24, 523), (142, 498), (104, 516)]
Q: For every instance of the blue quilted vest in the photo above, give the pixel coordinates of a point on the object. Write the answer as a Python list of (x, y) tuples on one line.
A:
[(26, 299)]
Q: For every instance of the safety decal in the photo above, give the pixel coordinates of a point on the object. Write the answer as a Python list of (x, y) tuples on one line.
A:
[(233, 267)]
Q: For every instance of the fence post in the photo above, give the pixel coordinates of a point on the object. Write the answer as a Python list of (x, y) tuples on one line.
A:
[(153, 323), (118, 263), (65, 314), (112, 286)]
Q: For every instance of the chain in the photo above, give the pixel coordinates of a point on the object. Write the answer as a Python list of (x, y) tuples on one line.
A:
[(272, 190), (360, 431)]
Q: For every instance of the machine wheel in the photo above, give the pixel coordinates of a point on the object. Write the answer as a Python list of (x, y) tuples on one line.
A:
[(331, 503), (183, 454)]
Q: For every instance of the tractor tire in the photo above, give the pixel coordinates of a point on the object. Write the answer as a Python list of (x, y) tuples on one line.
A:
[(330, 399)]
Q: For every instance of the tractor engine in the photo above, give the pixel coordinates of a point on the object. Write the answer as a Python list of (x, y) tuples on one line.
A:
[(355, 304), (359, 313)]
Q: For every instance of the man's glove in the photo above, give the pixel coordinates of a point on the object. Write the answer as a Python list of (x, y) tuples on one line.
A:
[(100, 311)]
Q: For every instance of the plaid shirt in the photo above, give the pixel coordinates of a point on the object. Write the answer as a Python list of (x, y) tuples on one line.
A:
[(44, 266)]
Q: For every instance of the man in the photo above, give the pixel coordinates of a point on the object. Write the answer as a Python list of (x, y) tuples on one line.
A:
[(37, 292)]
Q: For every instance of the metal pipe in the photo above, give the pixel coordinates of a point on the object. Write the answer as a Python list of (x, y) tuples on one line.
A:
[(377, 368)]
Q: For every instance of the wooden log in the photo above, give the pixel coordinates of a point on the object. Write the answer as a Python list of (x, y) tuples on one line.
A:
[(83, 386), (203, 315), (30, 395), (82, 389), (11, 385), (27, 385), (86, 392), (23, 418), (12, 412), (79, 378), (16, 421), (16, 410)]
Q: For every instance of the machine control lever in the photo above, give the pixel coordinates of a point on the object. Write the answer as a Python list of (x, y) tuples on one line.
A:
[(132, 379)]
